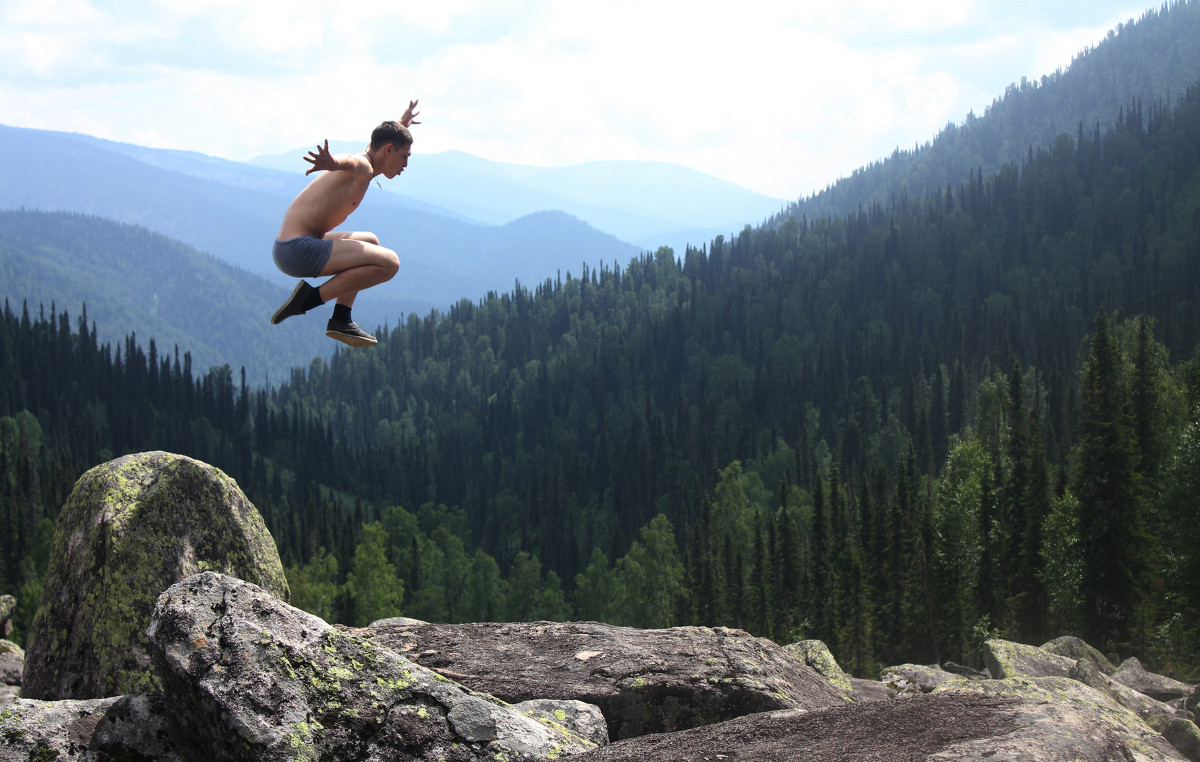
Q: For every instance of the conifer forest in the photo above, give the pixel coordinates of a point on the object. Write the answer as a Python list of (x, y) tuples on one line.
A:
[(937, 418)]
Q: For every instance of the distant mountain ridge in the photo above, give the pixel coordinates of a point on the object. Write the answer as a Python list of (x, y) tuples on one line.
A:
[(647, 203), (232, 210)]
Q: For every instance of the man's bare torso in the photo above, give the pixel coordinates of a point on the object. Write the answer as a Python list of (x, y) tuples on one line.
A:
[(326, 202)]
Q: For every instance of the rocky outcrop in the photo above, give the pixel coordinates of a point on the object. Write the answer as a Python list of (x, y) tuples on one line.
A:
[(1077, 650), (1143, 742), (645, 681), (1131, 674), (251, 678), (1005, 659), (130, 529), (237, 674), (945, 727)]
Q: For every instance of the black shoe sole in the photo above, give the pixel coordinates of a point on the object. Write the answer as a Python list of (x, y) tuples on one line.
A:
[(352, 339), (284, 312)]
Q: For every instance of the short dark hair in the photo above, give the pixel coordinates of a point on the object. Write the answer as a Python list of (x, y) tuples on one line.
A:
[(391, 132)]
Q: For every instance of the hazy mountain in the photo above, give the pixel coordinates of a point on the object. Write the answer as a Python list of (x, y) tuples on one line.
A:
[(232, 210), (648, 203), (134, 281)]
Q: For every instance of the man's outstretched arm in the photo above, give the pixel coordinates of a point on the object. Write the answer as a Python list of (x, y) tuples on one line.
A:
[(322, 160)]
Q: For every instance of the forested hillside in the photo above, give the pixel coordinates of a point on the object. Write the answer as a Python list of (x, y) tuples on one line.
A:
[(1151, 61), (900, 431), (142, 283)]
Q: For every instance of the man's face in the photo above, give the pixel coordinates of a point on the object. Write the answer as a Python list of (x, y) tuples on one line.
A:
[(395, 159)]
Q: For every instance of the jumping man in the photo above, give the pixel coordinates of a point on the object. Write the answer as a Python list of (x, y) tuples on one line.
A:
[(308, 246)]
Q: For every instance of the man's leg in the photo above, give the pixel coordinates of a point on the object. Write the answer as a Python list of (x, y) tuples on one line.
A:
[(357, 261)]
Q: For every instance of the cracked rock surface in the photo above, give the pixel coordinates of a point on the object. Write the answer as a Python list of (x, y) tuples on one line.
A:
[(644, 681), (252, 678)]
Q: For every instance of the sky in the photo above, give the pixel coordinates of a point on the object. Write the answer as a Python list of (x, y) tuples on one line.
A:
[(780, 97)]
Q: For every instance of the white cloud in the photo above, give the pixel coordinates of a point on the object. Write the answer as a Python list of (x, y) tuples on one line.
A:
[(782, 98)]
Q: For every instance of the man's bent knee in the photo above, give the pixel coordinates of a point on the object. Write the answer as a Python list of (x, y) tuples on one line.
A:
[(391, 264)]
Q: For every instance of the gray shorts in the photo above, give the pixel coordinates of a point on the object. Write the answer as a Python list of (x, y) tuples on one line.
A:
[(303, 257)]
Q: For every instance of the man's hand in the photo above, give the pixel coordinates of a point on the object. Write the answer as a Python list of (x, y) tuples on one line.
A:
[(321, 159), (408, 119)]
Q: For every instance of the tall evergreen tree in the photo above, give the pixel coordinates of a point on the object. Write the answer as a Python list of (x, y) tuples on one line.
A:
[(1110, 499)]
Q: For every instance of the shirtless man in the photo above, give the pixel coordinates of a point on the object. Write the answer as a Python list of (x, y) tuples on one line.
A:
[(308, 247)]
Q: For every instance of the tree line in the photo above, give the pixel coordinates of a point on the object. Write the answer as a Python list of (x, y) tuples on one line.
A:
[(901, 430)]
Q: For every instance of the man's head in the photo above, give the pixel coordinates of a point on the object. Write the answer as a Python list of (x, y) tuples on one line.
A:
[(391, 132)]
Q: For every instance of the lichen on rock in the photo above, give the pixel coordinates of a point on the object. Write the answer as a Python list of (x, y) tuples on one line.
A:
[(131, 528)]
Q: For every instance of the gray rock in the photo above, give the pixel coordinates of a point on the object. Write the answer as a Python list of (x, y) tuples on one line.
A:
[(905, 679), (129, 529), (90, 730), (1185, 737), (816, 654), (8, 605), (582, 719), (1076, 649), (8, 693), (645, 681), (1006, 659), (1155, 713), (869, 690), (12, 662), (253, 678), (964, 671), (1095, 706), (1133, 675), (947, 727)]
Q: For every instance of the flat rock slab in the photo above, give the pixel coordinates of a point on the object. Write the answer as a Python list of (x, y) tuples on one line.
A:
[(944, 726), (644, 681)]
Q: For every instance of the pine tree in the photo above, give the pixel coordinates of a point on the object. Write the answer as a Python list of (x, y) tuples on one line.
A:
[(1109, 493)]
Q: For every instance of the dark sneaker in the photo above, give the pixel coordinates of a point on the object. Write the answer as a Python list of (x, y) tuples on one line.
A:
[(294, 303), (349, 333)]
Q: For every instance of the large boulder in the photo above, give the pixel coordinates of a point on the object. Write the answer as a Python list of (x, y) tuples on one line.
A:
[(1133, 675), (252, 678), (1006, 659), (1184, 736), (870, 690), (943, 726), (645, 681), (817, 655), (130, 529), (1144, 743), (904, 679), (8, 605), (91, 730), (1075, 648), (1155, 713), (12, 663)]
